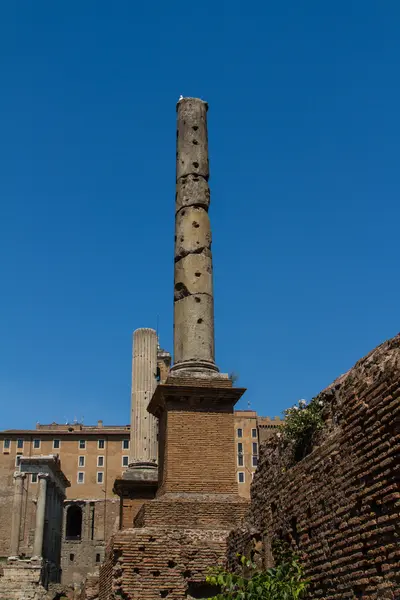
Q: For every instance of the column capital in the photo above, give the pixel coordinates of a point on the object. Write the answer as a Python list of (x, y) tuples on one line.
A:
[(45, 476), (19, 475)]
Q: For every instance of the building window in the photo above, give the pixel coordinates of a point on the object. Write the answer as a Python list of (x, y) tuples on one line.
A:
[(71, 557), (240, 432), (100, 461), (100, 476), (101, 444), (82, 444), (125, 444), (18, 459), (34, 477), (254, 433), (255, 461), (241, 476), (81, 477), (20, 444), (125, 461), (81, 461), (240, 448), (56, 444), (6, 444), (73, 529), (97, 558), (240, 460), (36, 444), (255, 448)]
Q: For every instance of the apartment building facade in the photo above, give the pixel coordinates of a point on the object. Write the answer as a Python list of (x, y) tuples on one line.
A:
[(250, 431)]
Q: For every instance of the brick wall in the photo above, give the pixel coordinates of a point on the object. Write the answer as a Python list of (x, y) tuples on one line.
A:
[(160, 563), (197, 450), (339, 507)]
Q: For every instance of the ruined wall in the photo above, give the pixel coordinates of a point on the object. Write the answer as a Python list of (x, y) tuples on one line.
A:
[(28, 514), (340, 506), (7, 468), (130, 508), (160, 563), (100, 520), (20, 582)]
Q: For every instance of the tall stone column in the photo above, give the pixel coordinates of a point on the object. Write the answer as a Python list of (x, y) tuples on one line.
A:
[(193, 290), (40, 515), (16, 513), (144, 446)]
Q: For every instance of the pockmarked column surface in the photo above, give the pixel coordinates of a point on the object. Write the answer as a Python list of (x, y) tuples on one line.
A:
[(143, 447), (193, 286), (16, 514), (40, 515)]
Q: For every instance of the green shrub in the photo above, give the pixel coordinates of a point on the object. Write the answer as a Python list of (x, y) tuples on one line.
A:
[(283, 582), (302, 422)]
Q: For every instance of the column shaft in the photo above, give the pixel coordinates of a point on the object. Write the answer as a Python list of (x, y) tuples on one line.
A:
[(16, 513), (144, 446), (40, 516), (193, 291)]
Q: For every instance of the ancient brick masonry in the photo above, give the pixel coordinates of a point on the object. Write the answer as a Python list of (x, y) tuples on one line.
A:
[(339, 506)]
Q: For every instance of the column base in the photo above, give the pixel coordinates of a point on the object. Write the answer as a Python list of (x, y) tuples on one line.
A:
[(203, 369)]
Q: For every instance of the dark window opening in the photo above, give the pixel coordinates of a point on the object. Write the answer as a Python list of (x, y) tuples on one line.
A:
[(71, 557), (201, 589), (97, 558), (74, 523), (158, 374)]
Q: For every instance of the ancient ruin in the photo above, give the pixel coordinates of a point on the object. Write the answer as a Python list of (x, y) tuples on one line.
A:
[(35, 554), (179, 534), (339, 507), (176, 468), (140, 481)]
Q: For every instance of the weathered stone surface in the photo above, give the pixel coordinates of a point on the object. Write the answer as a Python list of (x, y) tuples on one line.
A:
[(192, 142), (193, 275), (339, 506), (192, 231), (22, 582), (143, 445), (195, 323), (192, 190)]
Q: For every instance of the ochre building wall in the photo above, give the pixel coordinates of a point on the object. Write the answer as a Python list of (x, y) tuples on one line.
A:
[(339, 506)]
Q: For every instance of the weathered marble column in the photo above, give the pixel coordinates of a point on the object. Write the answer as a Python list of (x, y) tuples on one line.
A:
[(193, 291), (144, 446), (40, 515), (16, 513)]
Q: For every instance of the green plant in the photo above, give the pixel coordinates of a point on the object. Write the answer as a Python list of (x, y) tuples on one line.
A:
[(283, 582), (302, 421)]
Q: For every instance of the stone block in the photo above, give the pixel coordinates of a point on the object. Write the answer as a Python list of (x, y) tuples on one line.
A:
[(192, 143), (195, 323), (192, 231), (192, 190), (193, 275)]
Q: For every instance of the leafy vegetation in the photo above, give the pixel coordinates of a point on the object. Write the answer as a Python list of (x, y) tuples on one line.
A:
[(285, 581), (302, 422)]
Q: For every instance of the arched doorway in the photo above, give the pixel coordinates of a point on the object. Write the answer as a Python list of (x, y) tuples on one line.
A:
[(74, 523)]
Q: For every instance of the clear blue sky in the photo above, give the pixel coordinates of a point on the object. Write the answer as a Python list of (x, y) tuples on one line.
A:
[(304, 133)]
